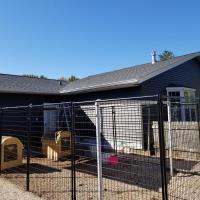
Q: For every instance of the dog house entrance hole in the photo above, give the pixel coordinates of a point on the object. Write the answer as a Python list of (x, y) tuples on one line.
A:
[(10, 152), (65, 144)]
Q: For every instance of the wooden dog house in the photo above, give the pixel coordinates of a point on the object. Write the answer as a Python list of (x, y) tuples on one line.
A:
[(58, 147), (11, 152)]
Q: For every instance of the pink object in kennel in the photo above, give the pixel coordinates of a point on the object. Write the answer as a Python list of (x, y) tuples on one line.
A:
[(113, 160)]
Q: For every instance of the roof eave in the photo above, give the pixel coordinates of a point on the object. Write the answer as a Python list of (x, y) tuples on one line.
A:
[(119, 85)]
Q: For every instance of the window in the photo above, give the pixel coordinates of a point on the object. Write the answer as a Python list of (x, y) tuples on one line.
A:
[(175, 99), (183, 103), (50, 120), (190, 107), (56, 118)]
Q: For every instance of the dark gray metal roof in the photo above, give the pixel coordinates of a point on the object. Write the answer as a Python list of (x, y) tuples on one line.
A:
[(23, 84), (126, 77)]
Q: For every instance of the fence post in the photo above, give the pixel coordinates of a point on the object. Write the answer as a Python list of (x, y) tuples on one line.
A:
[(198, 121), (99, 158), (114, 130), (149, 127), (73, 156), (1, 124), (28, 148), (170, 137), (162, 148)]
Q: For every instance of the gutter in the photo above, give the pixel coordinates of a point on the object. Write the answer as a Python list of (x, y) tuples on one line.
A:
[(102, 87)]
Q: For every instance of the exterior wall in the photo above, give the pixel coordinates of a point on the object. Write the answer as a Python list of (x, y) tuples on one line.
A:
[(109, 94), (123, 124), (18, 121), (122, 117), (9, 99), (186, 75)]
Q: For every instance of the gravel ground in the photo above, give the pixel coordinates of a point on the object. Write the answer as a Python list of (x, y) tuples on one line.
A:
[(52, 180), (10, 191), (132, 179)]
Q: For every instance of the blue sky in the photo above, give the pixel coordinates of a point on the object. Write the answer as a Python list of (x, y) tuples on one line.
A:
[(83, 37)]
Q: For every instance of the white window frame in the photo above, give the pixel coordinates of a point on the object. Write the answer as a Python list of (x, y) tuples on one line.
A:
[(51, 119), (182, 91)]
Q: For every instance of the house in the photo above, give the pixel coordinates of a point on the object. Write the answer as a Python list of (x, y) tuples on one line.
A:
[(146, 79), (22, 90), (178, 77), (179, 74)]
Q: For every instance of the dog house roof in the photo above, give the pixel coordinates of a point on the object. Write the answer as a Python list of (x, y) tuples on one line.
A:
[(5, 138)]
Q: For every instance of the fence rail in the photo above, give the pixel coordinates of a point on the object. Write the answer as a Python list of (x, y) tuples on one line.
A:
[(144, 148)]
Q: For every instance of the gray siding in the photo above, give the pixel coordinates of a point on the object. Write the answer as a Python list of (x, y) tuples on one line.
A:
[(127, 121), (187, 74)]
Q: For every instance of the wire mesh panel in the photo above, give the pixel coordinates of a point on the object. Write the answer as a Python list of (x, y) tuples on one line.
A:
[(45, 132), (128, 169), (184, 128), (136, 148), (86, 164), (14, 124)]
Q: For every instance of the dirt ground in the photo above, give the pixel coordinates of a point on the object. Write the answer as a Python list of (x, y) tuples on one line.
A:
[(135, 178), (9, 191)]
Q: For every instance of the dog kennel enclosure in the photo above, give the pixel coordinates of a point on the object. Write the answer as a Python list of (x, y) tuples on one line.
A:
[(119, 148)]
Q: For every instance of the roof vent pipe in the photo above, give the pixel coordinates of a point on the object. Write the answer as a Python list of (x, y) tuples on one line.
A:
[(153, 57)]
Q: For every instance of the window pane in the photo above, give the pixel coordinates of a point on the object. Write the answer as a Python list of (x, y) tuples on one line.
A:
[(176, 112), (193, 114), (187, 113)]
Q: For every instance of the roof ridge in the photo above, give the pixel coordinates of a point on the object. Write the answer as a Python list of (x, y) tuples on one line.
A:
[(126, 68), (173, 62), (26, 76), (135, 72)]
